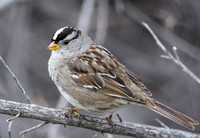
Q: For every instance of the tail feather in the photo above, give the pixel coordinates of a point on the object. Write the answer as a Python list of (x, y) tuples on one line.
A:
[(173, 115), (192, 121)]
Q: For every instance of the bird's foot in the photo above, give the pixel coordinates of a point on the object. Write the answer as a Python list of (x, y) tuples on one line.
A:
[(109, 119), (75, 111)]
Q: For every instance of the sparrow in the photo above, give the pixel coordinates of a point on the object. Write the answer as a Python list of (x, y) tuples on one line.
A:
[(91, 78)]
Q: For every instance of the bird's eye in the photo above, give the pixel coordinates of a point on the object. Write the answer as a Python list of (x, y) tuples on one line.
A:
[(66, 42)]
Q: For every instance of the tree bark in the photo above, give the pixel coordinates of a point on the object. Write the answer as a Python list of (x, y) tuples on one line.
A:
[(66, 117)]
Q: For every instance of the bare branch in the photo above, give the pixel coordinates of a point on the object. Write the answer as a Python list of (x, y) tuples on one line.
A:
[(96, 135), (175, 52), (166, 34), (10, 123), (164, 56), (161, 123), (53, 131), (64, 117), (13, 118), (27, 98), (169, 56), (32, 128), (16, 80), (22, 90)]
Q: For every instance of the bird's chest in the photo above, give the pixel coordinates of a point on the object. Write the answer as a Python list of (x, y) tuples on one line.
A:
[(62, 78)]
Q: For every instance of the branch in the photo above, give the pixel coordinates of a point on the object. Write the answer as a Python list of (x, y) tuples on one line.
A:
[(27, 98), (169, 56), (65, 117), (16, 80), (53, 131), (32, 128), (164, 33)]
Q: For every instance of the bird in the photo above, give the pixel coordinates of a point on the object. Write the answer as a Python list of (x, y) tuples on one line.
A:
[(92, 79)]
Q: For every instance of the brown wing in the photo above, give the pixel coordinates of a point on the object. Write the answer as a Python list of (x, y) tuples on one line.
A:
[(137, 81), (109, 85), (97, 73)]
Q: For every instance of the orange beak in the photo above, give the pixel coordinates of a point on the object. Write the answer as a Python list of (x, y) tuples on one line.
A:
[(53, 46)]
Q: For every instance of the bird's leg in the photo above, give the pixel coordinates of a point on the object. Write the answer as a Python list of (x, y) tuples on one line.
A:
[(119, 117), (75, 111), (109, 119)]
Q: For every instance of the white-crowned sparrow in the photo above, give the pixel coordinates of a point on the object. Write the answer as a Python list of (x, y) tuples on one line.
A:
[(91, 78)]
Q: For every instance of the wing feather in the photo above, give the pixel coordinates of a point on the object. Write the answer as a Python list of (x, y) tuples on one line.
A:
[(98, 73), (137, 81)]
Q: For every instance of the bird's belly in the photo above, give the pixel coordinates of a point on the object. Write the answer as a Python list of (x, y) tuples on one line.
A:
[(70, 98), (92, 101)]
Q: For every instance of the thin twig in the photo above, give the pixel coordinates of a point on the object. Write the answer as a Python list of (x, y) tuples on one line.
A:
[(13, 118), (27, 98), (32, 128), (22, 90), (166, 34), (175, 52), (97, 134), (159, 43), (164, 56), (53, 131), (169, 56), (161, 123), (119, 117), (16, 80), (9, 129), (10, 123)]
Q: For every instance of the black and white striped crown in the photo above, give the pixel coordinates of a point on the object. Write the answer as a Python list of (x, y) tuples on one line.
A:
[(66, 32)]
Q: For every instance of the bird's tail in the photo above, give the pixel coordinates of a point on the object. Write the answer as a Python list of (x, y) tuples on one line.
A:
[(172, 114)]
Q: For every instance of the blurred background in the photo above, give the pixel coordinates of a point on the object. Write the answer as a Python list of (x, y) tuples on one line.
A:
[(26, 27)]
